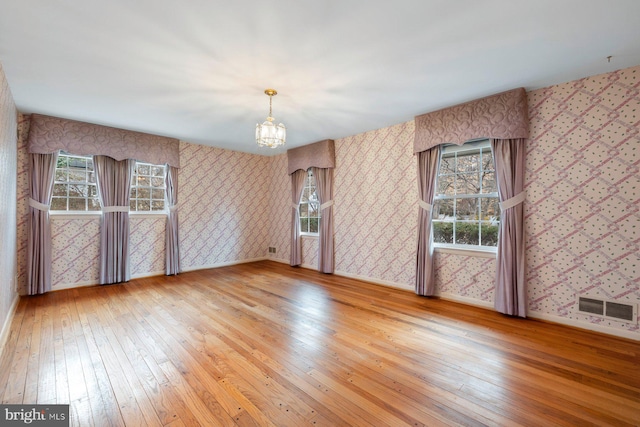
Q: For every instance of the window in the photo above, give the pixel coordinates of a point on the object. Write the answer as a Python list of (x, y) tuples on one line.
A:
[(309, 206), (147, 188), (466, 205), (75, 187)]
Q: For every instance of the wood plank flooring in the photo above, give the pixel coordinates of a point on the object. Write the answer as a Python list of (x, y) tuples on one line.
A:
[(263, 344)]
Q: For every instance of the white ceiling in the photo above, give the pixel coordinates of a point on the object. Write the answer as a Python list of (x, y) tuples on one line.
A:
[(196, 69)]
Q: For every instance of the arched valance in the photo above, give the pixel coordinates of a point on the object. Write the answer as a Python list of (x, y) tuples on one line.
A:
[(49, 134), (501, 116), (320, 154)]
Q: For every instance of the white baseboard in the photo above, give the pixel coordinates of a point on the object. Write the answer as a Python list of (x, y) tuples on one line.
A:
[(622, 333), (465, 300), (6, 327), (388, 283)]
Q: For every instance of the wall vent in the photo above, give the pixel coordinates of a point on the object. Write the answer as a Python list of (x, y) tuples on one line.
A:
[(608, 309)]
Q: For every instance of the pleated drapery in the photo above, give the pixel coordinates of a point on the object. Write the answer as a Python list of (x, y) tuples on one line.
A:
[(509, 159), (172, 239), (324, 190), (114, 183), (297, 187), (42, 169), (428, 164)]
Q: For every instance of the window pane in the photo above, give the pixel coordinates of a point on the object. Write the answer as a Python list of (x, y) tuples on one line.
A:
[(446, 185), (313, 225), (443, 209), (304, 210), (94, 204), (143, 205), (487, 159), (468, 183), (442, 232), (90, 164), (466, 209), (467, 233), (62, 161), (133, 193), (489, 233), (59, 204), (77, 176), (143, 169), (490, 209), (143, 181), (77, 204), (157, 182), (157, 194), (60, 190), (157, 205), (93, 190), (77, 190), (305, 195), (157, 171), (314, 209), (132, 205), (304, 225), (448, 165), (77, 162), (144, 193), (489, 182), (91, 177), (468, 162), (61, 175)]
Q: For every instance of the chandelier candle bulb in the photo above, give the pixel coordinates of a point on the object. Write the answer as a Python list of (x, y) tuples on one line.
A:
[(267, 133)]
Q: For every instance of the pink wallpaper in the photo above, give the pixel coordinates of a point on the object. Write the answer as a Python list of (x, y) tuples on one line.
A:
[(147, 245), (22, 204), (280, 209), (8, 167), (376, 209), (583, 198), (74, 245), (222, 201)]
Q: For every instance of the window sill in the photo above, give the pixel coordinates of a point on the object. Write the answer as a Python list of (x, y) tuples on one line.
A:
[(472, 252), (309, 236)]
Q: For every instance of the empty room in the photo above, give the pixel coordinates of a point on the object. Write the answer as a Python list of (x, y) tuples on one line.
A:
[(288, 213)]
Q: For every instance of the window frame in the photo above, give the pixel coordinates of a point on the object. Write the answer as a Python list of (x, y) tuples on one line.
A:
[(308, 186), (454, 150), (62, 214)]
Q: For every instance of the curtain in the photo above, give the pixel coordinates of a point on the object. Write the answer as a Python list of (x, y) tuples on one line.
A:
[(42, 170), (297, 186), (114, 181), (324, 190), (509, 157), (171, 235), (428, 163)]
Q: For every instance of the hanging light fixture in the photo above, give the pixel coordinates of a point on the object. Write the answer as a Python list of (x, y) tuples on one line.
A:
[(267, 133)]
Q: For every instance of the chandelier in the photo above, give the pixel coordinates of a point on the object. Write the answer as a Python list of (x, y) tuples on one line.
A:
[(267, 133)]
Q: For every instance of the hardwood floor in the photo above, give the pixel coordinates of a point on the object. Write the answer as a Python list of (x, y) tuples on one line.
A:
[(264, 344)]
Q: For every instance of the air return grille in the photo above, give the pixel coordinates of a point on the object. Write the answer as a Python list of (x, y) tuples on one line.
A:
[(608, 309)]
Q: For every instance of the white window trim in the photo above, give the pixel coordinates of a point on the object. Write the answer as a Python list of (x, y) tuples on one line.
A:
[(466, 250)]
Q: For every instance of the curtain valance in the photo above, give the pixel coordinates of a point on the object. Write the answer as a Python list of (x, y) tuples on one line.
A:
[(320, 154), (501, 116), (49, 134)]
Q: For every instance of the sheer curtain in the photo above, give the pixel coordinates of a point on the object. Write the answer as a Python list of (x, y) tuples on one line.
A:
[(42, 170), (114, 183), (324, 190), (428, 163), (297, 186), (171, 234), (510, 297)]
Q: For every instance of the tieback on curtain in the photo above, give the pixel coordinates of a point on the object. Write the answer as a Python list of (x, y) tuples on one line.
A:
[(294, 206), (326, 205), (106, 209), (173, 208), (424, 205), (36, 204), (515, 200)]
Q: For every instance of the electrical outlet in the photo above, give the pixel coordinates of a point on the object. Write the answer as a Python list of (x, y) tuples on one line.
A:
[(272, 250)]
